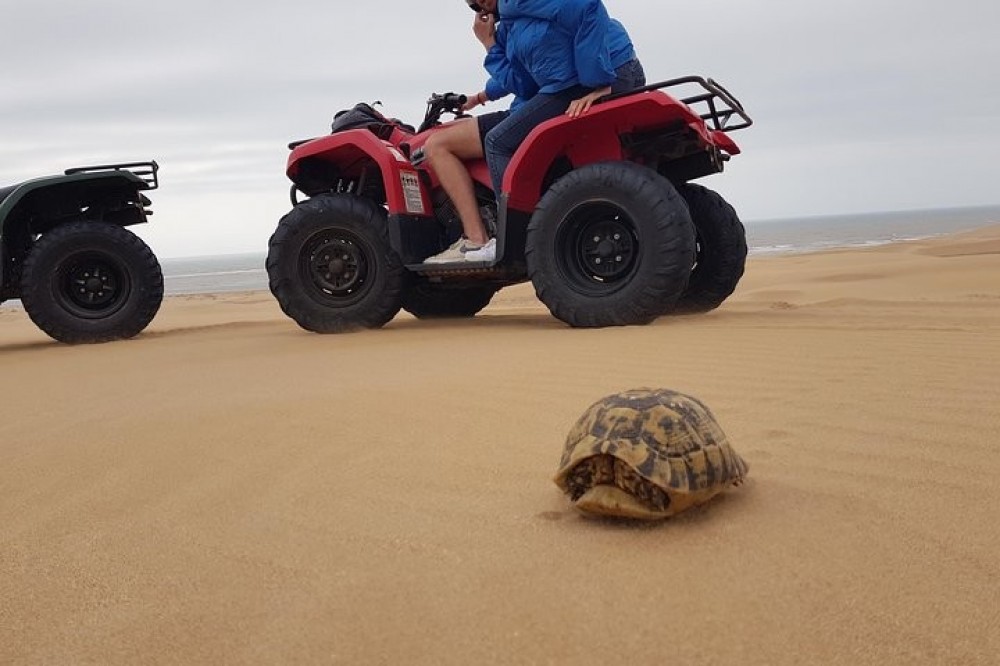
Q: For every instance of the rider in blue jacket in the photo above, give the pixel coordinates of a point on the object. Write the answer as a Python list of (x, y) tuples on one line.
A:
[(535, 37), (555, 57)]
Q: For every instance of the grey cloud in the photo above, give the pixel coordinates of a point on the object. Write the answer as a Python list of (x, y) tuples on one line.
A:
[(891, 102)]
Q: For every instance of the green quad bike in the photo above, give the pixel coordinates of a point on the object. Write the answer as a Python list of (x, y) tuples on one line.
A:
[(65, 252)]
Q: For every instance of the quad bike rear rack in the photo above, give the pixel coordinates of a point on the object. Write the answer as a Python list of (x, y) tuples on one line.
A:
[(146, 171), (716, 106)]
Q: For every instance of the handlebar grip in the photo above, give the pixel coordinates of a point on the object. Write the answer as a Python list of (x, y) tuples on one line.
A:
[(448, 99)]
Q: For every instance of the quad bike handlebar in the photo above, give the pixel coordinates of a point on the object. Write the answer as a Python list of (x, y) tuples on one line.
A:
[(440, 104), (449, 99)]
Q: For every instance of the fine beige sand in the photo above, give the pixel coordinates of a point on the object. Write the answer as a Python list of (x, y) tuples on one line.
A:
[(229, 489)]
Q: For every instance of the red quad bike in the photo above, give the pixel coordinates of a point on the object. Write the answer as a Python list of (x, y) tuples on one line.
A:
[(597, 211)]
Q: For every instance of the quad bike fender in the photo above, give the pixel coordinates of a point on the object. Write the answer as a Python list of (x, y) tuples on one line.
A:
[(478, 170), (480, 173), (56, 187), (351, 152), (596, 137), (415, 148)]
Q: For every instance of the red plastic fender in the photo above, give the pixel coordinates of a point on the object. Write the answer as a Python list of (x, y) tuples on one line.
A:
[(595, 137), (351, 150), (478, 169)]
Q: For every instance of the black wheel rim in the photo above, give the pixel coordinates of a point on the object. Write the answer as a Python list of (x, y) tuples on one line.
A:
[(93, 285), (597, 248), (337, 266)]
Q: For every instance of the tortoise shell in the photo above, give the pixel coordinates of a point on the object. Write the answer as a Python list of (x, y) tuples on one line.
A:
[(647, 453)]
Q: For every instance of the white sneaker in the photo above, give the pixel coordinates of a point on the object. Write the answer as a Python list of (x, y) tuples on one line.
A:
[(455, 253), (487, 252)]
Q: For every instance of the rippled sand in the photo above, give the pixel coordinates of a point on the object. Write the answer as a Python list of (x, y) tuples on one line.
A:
[(227, 488)]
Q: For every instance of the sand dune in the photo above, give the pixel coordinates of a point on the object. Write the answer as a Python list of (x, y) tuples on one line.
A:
[(227, 488)]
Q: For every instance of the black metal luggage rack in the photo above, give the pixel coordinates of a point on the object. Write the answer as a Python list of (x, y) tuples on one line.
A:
[(716, 106), (146, 171)]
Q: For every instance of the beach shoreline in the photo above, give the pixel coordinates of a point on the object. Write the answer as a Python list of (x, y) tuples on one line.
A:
[(228, 488)]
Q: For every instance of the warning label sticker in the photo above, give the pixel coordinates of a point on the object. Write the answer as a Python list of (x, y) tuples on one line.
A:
[(411, 192), (398, 155)]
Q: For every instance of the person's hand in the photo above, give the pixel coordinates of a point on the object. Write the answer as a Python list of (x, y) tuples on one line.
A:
[(485, 30), (578, 107), (472, 101)]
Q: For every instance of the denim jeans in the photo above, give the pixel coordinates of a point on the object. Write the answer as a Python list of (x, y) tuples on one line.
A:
[(503, 140), (629, 76)]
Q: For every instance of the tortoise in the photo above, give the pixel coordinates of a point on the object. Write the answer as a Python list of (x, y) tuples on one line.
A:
[(647, 454)]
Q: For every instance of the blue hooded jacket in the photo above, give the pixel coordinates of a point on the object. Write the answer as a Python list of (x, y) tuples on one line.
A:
[(546, 46)]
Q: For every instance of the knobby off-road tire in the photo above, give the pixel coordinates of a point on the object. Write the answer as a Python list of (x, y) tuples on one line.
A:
[(91, 282), (331, 267), (609, 244), (429, 301), (721, 251)]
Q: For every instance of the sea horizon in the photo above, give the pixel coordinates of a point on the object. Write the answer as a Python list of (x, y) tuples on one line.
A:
[(246, 272), (236, 272)]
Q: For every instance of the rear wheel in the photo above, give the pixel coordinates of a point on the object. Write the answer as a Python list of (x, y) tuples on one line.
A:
[(331, 268), (428, 301), (721, 251), (609, 244), (91, 282)]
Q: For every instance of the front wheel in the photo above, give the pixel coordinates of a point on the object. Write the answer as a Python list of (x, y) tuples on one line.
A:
[(91, 282), (331, 268), (609, 244)]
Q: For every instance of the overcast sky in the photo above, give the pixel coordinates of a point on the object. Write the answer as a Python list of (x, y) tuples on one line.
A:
[(859, 105)]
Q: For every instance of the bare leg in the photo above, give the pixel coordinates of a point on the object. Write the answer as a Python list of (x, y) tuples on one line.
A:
[(445, 151)]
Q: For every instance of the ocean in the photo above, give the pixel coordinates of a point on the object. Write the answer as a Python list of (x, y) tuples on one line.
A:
[(208, 275), (809, 234), (245, 272)]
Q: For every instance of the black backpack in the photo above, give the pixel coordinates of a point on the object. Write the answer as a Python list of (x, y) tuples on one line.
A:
[(364, 116)]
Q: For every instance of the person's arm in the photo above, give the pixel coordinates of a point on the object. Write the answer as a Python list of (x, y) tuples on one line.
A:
[(506, 77), (578, 107), (588, 22), (498, 65), (474, 100), (485, 29)]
